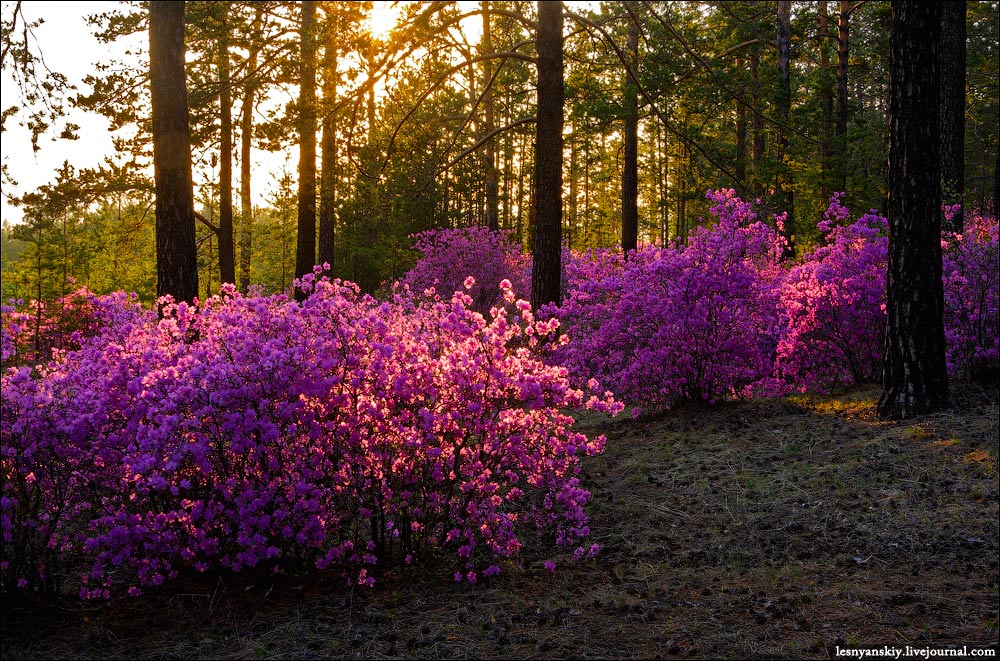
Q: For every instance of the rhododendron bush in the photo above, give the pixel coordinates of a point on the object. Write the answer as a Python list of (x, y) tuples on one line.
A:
[(831, 305), (681, 322), (255, 432), (971, 298), (449, 256), (351, 434), (723, 316)]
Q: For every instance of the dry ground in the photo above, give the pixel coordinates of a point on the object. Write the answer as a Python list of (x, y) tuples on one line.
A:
[(761, 529)]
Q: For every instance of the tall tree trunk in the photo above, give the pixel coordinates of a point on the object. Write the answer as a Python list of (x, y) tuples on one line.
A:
[(757, 122), (741, 138), (826, 99), (246, 141), (305, 251), (328, 161), (227, 251), (915, 375), (630, 171), (843, 52), (572, 226), (489, 124), (953, 109), (547, 244), (783, 191), (176, 251)]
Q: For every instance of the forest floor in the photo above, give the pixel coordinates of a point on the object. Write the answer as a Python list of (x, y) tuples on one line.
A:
[(777, 528)]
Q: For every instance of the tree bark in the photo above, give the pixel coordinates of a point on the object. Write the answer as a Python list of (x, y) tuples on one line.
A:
[(630, 171), (227, 251), (547, 243), (915, 376), (305, 250), (328, 161), (783, 190), (953, 109), (826, 99), (741, 138), (489, 124), (176, 251), (843, 52), (246, 140), (757, 124)]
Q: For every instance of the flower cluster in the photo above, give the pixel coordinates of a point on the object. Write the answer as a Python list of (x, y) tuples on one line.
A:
[(724, 316), (971, 299), (256, 432), (449, 256), (680, 322), (30, 333), (831, 305)]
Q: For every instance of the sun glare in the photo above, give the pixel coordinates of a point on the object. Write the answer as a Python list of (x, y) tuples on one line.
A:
[(383, 18)]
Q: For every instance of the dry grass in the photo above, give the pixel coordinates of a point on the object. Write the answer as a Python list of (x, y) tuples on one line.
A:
[(761, 529)]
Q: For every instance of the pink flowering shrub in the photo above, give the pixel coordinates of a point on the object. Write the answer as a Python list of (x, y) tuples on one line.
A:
[(30, 332), (255, 432), (831, 305), (449, 256), (971, 299), (677, 323)]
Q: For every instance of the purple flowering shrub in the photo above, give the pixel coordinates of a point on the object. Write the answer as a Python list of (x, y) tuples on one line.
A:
[(255, 432), (449, 256), (831, 305), (971, 299), (681, 322)]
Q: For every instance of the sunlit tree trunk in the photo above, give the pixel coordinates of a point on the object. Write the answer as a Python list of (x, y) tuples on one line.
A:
[(328, 162), (489, 124), (305, 252), (176, 252), (246, 141)]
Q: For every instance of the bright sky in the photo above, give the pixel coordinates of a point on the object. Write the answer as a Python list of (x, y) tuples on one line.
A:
[(69, 47)]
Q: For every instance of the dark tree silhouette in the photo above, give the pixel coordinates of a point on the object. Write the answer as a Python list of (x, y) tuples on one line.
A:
[(547, 244), (630, 172), (953, 108), (915, 375)]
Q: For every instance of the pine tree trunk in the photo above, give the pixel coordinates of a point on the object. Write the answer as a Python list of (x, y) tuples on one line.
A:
[(953, 109), (826, 99), (757, 122), (227, 251), (783, 192), (328, 162), (741, 138), (489, 124), (246, 141), (630, 170), (547, 243), (915, 376), (176, 252), (305, 252), (843, 52)]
